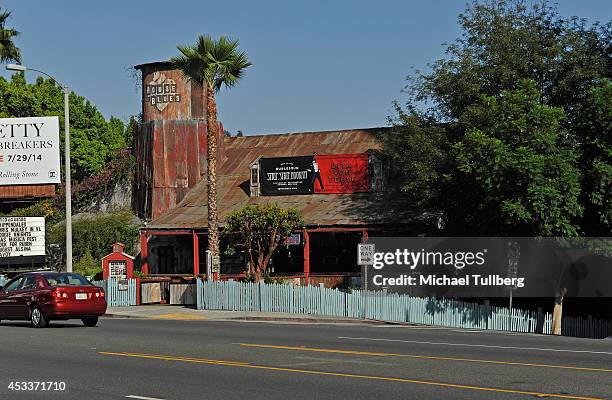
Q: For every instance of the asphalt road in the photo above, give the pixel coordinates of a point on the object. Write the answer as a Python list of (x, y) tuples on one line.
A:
[(180, 360)]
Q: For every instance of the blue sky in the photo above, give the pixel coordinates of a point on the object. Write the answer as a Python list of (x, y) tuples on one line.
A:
[(318, 65)]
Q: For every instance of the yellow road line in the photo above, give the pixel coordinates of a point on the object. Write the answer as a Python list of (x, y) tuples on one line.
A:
[(368, 353), (172, 358), (345, 375)]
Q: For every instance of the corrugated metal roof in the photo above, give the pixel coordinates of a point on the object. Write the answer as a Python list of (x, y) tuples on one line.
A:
[(317, 209)]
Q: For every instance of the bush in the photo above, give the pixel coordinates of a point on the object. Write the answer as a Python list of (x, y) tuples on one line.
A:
[(87, 266), (96, 234)]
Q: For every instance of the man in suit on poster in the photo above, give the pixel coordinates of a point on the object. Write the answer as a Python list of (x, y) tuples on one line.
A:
[(316, 173)]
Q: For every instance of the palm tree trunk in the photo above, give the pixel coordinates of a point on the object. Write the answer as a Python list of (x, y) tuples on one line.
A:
[(211, 144)]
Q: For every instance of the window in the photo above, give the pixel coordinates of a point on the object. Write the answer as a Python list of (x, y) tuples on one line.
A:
[(254, 175), (66, 279), (28, 282), (13, 285)]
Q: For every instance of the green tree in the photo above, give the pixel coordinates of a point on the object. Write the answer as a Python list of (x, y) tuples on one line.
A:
[(95, 141), (213, 64), (514, 159), (503, 43), (595, 125), (423, 157), (8, 50), (260, 229)]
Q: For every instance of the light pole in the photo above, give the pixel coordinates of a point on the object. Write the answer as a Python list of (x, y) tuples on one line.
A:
[(22, 68)]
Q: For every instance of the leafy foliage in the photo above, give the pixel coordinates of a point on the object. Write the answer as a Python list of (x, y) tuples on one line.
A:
[(260, 229), (514, 157), (8, 50), (118, 169), (216, 62), (94, 141), (95, 235), (87, 265), (425, 150), (595, 125), (475, 165)]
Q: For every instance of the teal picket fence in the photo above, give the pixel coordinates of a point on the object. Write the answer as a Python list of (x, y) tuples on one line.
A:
[(317, 300), (118, 292)]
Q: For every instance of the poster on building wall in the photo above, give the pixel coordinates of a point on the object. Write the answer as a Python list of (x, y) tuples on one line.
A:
[(286, 175), (117, 269), (22, 236), (342, 173), (322, 174), (29, 151)]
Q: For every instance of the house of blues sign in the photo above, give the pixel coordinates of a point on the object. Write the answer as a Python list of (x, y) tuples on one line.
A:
[(161, 91), (324, 174)]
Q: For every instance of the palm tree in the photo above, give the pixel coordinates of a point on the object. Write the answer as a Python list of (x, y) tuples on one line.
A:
[(8, 50), (212, 64)]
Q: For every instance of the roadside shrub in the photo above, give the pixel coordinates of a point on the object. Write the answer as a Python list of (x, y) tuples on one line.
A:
[(87, 266), (96, 234)]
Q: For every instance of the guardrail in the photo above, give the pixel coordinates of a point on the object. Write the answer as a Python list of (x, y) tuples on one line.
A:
[(317, 300)]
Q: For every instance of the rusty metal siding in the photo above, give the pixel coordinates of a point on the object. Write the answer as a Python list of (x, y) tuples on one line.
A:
[(357, 209), (27, 191), (168, 163)]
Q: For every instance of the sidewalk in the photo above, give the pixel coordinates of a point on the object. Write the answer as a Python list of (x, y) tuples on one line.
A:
[(185, 313)]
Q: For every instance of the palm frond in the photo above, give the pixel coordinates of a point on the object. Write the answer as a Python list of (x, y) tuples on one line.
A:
[(217, 62), (8, 50)]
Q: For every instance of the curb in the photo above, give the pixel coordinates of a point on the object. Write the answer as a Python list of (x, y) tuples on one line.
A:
[(307, 320), (123, 316), (268, 319)]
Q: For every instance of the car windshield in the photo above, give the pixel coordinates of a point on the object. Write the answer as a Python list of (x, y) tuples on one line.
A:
[(66, 279)]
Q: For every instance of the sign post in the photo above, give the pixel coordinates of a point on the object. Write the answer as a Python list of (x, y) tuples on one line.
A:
[(514, 254), (365, 258)]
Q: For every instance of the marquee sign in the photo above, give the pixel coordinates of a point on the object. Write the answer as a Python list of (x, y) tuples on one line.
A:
[(322, 174), (22, 236), (29, 151), (161, 91)]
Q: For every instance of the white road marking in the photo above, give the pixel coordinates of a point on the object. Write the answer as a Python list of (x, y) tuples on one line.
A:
[(131, 396), (476, 345)]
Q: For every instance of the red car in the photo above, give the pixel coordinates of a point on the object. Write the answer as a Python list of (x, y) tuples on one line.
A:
[(44, 296)]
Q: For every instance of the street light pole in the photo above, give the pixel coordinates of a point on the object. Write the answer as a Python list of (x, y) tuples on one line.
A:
[(68, 186), (68, 180)]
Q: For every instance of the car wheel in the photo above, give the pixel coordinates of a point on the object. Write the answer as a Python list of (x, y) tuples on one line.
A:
[(90, 322), (37, 318)]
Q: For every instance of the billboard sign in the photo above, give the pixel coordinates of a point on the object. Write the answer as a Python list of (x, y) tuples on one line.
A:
[(286, 175), (22, 236), (29, 151), (322, 174), (342, 173)]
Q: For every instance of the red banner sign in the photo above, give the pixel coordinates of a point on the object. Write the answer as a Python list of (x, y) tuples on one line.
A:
[(341, 173)]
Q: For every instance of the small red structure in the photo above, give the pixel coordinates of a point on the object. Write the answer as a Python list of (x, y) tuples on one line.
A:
[(118, 264)]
